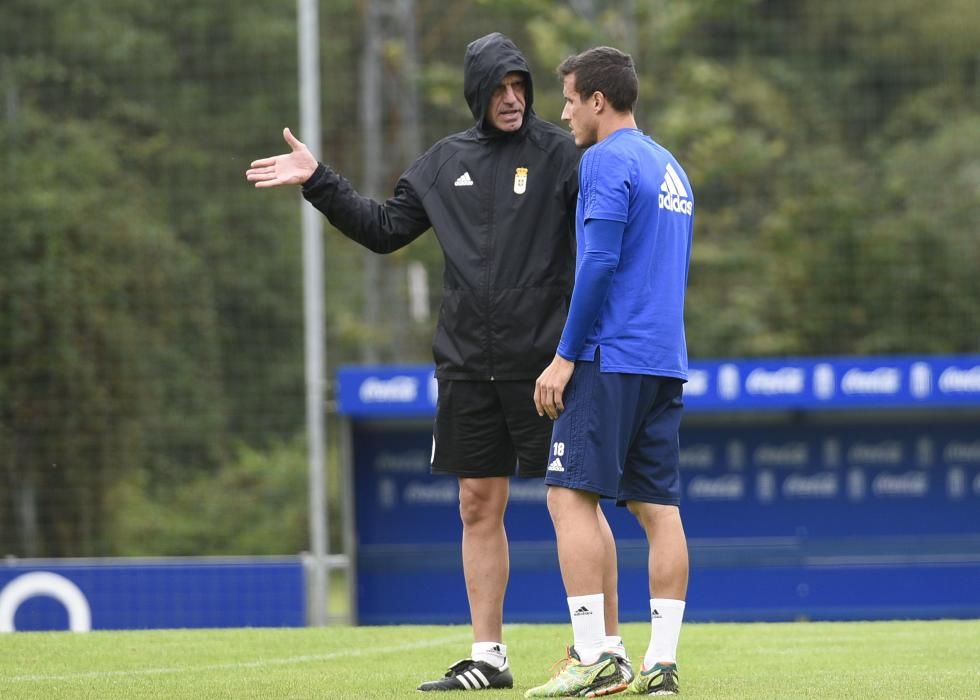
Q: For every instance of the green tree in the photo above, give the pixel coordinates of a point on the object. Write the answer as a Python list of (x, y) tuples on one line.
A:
[(254, 504), (151, 301), (98, 361)]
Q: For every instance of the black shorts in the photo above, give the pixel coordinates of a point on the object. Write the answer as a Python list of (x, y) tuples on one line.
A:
[(487, 429)]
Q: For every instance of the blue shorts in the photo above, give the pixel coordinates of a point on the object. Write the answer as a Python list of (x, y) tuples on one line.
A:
[(618, 436)]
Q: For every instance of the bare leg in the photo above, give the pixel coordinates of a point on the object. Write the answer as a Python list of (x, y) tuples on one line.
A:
[(583, 552), (668, 562), (610, 575), (582, 542), (486, 557)]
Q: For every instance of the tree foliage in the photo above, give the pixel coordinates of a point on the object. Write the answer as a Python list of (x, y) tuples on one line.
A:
[(151, 302)]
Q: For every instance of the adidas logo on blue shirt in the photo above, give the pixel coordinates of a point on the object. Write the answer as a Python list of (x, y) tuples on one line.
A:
[(556, 466), (674, 196)]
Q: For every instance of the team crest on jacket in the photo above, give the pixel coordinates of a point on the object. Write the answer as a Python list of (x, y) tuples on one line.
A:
[(520, 181)]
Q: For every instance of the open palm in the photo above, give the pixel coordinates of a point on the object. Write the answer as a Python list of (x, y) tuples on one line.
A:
[(293, 168)]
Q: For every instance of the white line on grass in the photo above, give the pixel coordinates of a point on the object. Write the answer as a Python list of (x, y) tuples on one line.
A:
[(261, 663)]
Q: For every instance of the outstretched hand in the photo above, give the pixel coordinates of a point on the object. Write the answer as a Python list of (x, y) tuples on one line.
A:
[(293, 168)]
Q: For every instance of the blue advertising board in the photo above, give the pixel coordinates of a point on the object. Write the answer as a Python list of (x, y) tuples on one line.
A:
[(151, 593), (773, 384), (790, 518)]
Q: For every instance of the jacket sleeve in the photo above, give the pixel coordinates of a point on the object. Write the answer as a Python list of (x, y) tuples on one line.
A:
[(382, 228), (570, 188)]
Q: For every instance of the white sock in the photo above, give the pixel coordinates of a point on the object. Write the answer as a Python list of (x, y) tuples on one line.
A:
[(666, 616), (614, 643), (588, 625), (494, 653)]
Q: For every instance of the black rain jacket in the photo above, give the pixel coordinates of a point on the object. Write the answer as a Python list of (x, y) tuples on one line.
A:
[(502, 206)]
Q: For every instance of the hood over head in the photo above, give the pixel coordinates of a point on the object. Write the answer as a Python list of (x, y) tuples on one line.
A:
[(488, 59)]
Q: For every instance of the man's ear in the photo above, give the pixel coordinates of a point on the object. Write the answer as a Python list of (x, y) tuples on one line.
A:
[(598, 102)]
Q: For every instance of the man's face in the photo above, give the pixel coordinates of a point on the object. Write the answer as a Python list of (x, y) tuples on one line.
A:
[(579, 114), (506, 109)]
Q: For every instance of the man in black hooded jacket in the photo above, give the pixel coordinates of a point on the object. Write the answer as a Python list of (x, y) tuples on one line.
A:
[(500, 198)]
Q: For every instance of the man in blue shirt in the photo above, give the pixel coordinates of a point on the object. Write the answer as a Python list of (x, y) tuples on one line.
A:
[(614, 388)]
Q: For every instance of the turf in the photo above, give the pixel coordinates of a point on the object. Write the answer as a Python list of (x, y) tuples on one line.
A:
[(789, 660)]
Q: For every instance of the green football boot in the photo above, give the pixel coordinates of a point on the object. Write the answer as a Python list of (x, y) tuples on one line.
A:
[(575, 679), (661, 679)]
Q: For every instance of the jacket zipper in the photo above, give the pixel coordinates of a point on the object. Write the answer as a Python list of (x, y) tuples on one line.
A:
[(490, 238)]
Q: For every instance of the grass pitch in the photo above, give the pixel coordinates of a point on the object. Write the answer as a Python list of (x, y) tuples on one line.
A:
[(865, 660)]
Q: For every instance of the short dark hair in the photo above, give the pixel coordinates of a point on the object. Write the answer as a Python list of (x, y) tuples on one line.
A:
[(606, 70)]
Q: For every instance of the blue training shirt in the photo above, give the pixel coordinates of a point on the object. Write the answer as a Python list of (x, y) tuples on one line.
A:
[(634, 225)]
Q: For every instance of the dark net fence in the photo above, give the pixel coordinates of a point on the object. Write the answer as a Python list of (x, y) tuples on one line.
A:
[(151, 302)]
